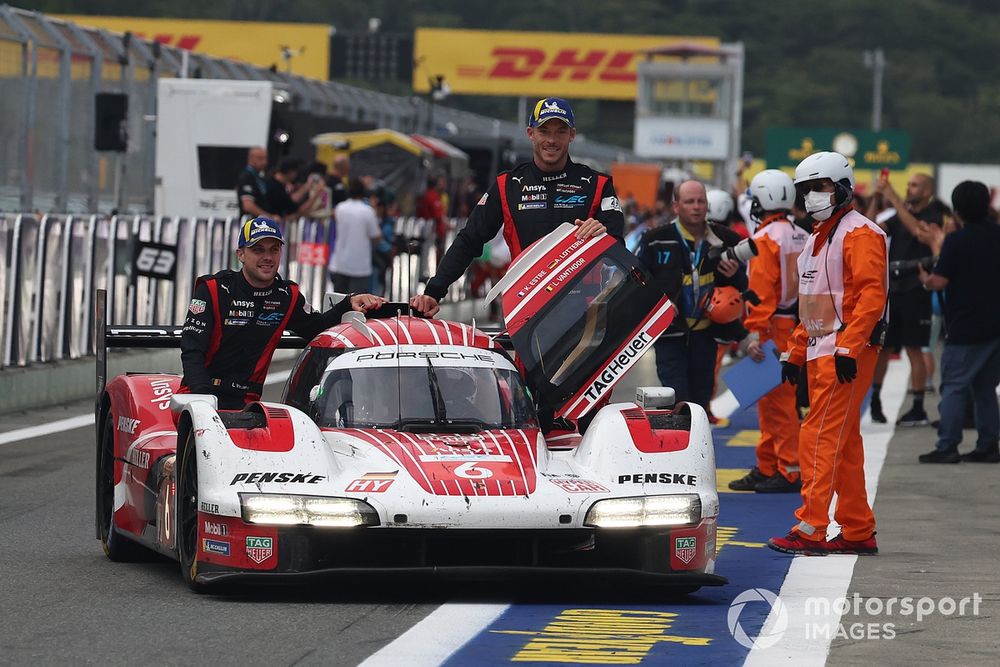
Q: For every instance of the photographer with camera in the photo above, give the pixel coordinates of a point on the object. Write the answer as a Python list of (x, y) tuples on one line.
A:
[(842, 300), (966, 269), (909, 304), (688, 258)]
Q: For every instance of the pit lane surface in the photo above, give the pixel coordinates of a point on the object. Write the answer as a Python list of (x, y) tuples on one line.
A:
[(65, 602)]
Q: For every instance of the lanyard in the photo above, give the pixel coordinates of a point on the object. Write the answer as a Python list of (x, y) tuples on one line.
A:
[(261, 183), (695, 256)]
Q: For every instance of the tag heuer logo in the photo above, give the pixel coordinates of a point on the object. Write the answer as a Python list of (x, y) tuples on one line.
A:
[(259, 549), (197, 306), (685, 547)]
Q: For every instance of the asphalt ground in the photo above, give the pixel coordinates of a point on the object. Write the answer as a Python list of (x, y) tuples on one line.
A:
[(939, 540)]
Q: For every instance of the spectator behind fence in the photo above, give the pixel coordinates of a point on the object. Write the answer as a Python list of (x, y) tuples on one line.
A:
[(315, 176), (337, 179), (432, 206), (966, 270), (909, 304), (357, 229), (251, 186), (384, 202), (284, 199)]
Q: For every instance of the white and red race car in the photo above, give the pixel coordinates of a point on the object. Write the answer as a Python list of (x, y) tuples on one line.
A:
[(406, 443)]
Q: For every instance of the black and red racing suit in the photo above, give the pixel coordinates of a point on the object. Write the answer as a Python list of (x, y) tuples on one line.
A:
[(232, 330), (528, 203)]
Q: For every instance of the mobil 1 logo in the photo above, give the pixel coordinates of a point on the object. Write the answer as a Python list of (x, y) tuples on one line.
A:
[(155, 260)]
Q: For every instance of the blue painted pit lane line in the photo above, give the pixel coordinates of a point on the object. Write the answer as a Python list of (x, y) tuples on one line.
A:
[(691, 630)]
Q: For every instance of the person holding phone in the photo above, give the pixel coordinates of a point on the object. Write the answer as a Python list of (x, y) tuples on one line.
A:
[(910, 307)]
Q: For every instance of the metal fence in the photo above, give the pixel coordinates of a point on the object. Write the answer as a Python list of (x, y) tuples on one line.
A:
[(53, 264), (50, 71)]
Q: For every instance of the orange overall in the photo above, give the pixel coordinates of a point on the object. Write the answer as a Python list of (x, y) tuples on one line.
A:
[(842, 296), (774, 279)]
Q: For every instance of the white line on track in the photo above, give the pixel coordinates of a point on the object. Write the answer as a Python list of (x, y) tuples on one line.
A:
[(829, 577), (67, 424), (437, 635), (80, 421)]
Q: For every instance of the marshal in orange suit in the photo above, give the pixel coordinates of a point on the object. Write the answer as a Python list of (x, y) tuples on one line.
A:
[(842, 297), (774, 279)]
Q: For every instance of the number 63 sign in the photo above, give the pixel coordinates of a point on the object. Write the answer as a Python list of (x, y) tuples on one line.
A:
[(155, 260)]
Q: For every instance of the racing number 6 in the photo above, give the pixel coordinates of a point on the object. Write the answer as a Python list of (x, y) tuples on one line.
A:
[(471, 471)]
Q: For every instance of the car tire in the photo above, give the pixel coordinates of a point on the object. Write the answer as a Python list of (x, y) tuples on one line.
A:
[(117, 546), (187, 512)]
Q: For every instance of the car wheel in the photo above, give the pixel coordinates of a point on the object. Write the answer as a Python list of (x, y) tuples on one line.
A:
[(116, 546), (187, 513)]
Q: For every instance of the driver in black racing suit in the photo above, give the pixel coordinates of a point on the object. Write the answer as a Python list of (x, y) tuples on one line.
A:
[(531, 200), (236, 318), (527, 203)]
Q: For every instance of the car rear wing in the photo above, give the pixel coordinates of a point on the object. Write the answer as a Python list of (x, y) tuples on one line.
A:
[(110, 336)]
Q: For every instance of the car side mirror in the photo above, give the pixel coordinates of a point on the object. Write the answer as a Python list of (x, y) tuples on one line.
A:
[(652, 398)]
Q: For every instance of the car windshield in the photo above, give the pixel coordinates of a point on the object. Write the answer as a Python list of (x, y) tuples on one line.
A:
[(422, 395)]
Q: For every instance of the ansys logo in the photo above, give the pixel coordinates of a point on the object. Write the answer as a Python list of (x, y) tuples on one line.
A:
[(753, 597)]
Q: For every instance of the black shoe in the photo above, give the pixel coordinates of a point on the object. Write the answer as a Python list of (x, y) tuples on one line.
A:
[(915, 417), (935, 423), (777, 483), (937, 456), (982, 456), (877, 416), (749, 481)]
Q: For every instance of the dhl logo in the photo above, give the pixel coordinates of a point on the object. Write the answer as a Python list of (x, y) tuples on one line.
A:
[(186, 42), (571, 64)]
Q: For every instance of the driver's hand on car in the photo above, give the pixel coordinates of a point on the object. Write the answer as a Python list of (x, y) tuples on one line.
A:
[(426, 305), (363, 303), (589, 228)]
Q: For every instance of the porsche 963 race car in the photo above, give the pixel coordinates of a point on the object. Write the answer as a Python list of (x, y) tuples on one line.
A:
[(404, 443)]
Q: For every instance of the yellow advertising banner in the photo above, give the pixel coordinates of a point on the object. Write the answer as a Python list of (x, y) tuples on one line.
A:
[(261, 44), (535, 64)]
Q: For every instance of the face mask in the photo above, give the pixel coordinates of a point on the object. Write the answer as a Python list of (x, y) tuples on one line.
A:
[(819, 204)]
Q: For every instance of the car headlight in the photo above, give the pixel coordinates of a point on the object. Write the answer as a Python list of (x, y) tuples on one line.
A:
[(675, 510), (285, 509)]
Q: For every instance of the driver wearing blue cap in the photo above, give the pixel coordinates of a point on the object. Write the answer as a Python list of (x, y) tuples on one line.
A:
[(531, 200), (236, 318)]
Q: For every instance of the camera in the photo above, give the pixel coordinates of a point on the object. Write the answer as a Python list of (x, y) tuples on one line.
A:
[(741, 252), (901, 268)]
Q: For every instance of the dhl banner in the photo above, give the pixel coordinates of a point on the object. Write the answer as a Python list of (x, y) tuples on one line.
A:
[(535, 64), (258, 44)]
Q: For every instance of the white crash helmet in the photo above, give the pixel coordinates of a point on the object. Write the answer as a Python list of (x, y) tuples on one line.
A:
[(720, 205), (826, 164), (773, 190)]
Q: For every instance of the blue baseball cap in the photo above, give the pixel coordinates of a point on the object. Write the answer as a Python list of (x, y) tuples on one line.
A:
[(551, 107), (257, 229)]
